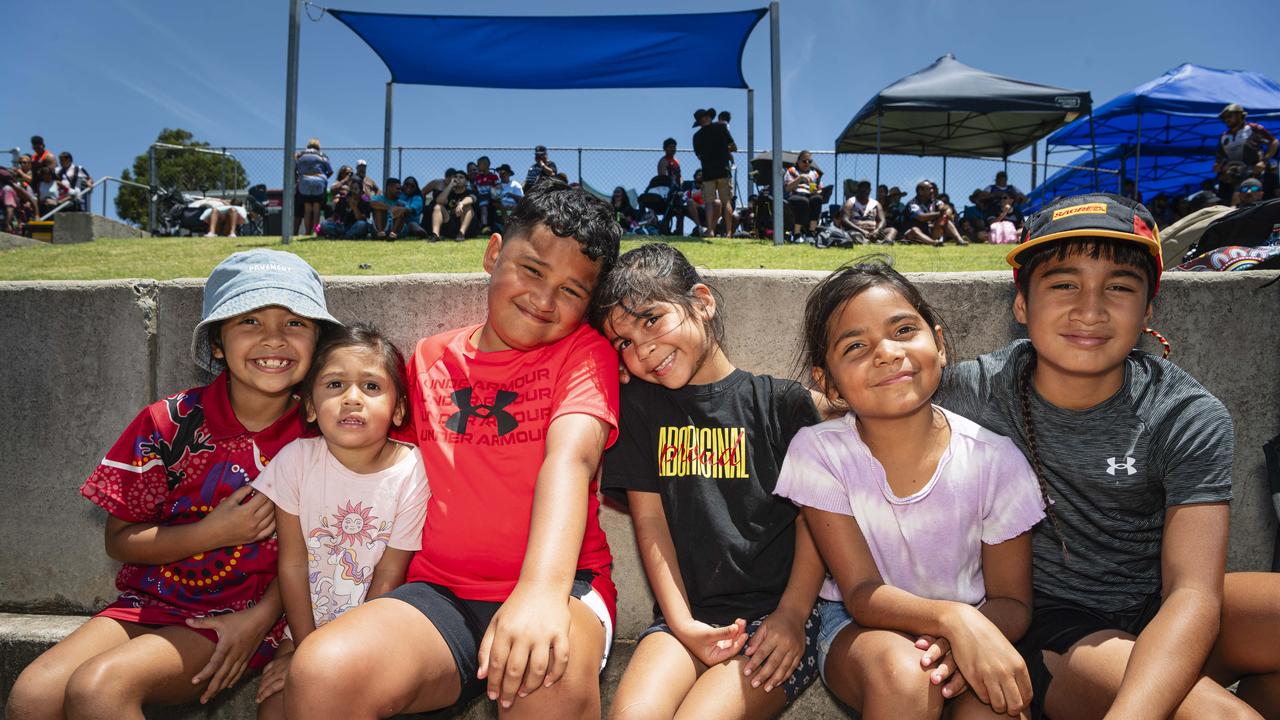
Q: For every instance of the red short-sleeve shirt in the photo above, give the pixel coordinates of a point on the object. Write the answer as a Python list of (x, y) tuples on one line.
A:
[(481, 419), (175, 462)]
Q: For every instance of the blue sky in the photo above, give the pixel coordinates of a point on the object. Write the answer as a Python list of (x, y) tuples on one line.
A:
[(101, 78)]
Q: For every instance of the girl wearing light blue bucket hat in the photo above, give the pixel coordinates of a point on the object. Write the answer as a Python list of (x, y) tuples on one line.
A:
[(199, 565)]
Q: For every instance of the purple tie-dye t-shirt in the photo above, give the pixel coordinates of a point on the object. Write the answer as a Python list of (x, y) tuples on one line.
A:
[(929, 544)]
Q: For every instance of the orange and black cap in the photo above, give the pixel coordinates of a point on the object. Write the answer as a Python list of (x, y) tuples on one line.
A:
[(1098, 215)]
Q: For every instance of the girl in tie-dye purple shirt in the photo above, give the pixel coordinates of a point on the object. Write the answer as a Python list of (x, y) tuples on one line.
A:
[(921, 516)]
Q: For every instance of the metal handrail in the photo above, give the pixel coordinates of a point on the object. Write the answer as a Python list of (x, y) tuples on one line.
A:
[(93, 184)]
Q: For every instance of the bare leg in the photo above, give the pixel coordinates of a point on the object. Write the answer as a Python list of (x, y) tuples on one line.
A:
[(437, 220), (950, 229), (728, 215), (967, 706), (155, 667), (1087, 678), (724, 692), (379, 659), (660, 674), (1247, 641), (878, 672), (213, 222), (577, 694), (465, 221), (916, 235), (41, 687)]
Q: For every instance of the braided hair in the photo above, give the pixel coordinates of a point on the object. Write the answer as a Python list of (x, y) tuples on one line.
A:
[(1029, 435)]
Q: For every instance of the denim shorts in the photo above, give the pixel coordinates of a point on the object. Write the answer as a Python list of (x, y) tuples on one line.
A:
[(832, 618), (805, 673)]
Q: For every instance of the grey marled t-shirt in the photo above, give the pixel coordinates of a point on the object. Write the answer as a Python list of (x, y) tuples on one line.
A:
[(1161, 440)]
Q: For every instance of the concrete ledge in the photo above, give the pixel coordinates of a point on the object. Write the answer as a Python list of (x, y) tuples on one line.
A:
[(78, 227), (24, 637), (9, 241)]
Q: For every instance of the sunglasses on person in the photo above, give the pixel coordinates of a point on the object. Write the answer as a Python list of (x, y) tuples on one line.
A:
[(1250, 188)]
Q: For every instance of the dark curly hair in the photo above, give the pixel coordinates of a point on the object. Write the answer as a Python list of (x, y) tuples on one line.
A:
[(569, 212)]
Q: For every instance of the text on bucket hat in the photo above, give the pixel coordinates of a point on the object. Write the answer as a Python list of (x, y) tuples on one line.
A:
[(1097, 215), (255, 279)]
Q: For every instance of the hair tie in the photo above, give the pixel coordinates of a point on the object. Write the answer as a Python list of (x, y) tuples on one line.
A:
[(1160, 339)]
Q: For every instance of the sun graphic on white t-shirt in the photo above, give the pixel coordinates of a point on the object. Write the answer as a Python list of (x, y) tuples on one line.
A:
[(353, 524)]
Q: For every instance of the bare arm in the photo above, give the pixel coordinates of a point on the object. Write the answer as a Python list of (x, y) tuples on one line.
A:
[(658, 553), (1169, 654), (292, 570), (528, 638), (1006, 573), (389, 573), (982, 653), (235, 521)]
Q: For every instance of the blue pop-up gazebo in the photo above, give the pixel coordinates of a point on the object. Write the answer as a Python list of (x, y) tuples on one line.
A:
[(1179, 109)]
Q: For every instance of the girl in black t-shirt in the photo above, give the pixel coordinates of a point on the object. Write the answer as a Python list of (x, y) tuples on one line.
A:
[(732, 566)]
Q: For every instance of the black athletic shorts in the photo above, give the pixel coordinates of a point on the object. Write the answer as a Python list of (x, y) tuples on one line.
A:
[(462, 623), (1057, 625)]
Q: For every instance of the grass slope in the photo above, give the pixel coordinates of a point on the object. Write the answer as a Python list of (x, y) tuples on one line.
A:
[(168, 258)]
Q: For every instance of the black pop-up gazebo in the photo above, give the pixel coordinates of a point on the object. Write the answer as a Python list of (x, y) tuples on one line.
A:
[(952, 110)]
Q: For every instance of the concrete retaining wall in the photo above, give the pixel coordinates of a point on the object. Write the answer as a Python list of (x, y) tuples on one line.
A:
[(80, 359), (78, 227)]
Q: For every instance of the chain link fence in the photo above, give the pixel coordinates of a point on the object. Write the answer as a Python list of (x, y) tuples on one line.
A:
[(230, 171)]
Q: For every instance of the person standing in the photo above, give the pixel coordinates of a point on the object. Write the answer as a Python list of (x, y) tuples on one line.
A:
[(313, 170), (1245, 149), (714, 146), (540, 169)]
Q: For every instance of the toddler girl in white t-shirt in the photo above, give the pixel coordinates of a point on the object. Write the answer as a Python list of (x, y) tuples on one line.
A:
[(350, 504)]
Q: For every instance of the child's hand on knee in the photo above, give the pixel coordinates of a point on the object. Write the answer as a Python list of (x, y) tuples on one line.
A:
[(526, 646), (776, 649), (239, 635), (710, 644), (992, 667), (274, 674), (937, 654)]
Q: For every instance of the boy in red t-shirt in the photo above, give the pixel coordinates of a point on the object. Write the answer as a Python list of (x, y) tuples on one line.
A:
[(511, 589)]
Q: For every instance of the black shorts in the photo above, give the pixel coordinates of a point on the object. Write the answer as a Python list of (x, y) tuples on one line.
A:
[(1057, 625), (462, 623)]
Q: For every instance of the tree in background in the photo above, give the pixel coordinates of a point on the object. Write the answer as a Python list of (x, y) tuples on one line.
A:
[(186, 170)]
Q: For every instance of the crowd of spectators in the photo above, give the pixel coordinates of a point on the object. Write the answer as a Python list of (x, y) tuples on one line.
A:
[(40, 182), (461, 203)]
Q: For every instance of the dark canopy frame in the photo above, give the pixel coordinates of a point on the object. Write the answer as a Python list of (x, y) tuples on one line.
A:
[(617, 51), (950, 109)]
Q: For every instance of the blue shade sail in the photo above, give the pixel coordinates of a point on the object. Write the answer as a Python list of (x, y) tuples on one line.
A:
[(1158, 169), (608, 51)]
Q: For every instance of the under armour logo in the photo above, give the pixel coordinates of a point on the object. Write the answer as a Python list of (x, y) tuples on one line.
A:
[(457, 422), (1126, 466)]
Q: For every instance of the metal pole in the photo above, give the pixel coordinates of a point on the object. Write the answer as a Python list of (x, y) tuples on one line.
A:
[(104, 198), (836, 192), (1034, 146), (399, 161), (944, 173), (386, 139), (290, 123), (224, 172), (154, 182), (1093, 143), (775, 92), (1137, 163), (751, 126), (579, 166), (879, 121)]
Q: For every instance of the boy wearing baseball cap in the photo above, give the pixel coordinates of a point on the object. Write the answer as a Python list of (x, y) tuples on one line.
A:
[(1132, 616)]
